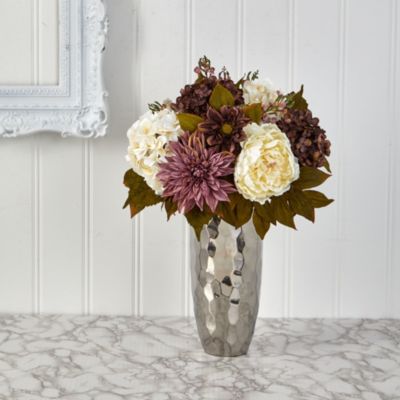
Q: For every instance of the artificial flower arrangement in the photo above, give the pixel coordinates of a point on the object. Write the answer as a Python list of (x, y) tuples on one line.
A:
[(233, 150)]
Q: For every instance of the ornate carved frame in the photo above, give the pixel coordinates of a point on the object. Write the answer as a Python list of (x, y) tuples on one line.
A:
[(77, 105)]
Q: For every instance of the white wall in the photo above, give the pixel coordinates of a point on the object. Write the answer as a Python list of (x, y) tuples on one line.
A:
[(67, 246)]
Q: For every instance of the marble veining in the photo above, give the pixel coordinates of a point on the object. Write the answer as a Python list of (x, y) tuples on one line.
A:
[(112, 358)]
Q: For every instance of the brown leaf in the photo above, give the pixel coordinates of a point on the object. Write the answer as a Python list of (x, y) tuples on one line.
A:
[(296, 100), (265, 211), (310, 177), (261, 224), (282, 211), (237, 211), (243, 211), (226, 213), (300, 204), (170, 207), (197, 219), (317, 199), (327, 166), (140, 194)]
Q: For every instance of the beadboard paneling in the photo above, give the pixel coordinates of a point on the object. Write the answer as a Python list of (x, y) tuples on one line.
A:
[(311, 48), (16, 226), (364, 212), (110, 255), (61, 224), (161, 244), (66, 245)]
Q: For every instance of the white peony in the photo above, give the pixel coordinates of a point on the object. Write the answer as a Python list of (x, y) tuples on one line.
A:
[(148, 138), (266, 165), (259, 91)]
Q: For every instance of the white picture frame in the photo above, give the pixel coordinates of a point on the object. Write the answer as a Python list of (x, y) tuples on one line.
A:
[(77, 105)]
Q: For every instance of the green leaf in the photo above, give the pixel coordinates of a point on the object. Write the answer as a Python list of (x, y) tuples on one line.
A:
[(327, 166), (282, 211), (189, 122), (261, 223), (296, 100), (170, 207), (240, 82), (197, 219), (221, 96), (254, 112), (155, 107), (300, 204), (317, 199), (237, 211), (250, 76), (140, 194), (310, 177)]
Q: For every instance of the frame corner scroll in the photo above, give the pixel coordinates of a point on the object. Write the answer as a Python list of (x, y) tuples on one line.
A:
[(78, 105)]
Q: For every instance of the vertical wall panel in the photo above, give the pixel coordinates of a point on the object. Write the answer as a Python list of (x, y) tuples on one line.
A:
[(265, 44), (61, 221), (111, 264), (365, 183), (162, 70), (215, 32), (312, 283), (16, 227), (394, 248), (265, 47), (187, 230)]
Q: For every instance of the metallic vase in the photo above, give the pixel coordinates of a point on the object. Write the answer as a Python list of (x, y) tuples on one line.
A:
[(226, 277)]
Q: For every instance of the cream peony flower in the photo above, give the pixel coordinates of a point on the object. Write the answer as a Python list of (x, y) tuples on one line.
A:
[(266, 165), (148, 138), (259, 91)]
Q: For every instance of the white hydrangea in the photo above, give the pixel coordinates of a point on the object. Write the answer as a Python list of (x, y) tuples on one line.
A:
[(259, 91), (148, 138), (266, 166)]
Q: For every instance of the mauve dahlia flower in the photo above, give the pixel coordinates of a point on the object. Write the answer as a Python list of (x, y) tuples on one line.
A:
[(224, 129), (193, 175)]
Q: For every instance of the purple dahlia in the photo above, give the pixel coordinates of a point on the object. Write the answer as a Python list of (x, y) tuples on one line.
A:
[(224, 129), (193, 175)]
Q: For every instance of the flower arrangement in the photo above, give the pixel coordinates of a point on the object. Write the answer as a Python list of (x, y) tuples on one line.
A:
[(234, 150)]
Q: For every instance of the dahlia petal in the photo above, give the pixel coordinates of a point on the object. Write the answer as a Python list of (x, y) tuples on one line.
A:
[(200, 203), (212, 202)]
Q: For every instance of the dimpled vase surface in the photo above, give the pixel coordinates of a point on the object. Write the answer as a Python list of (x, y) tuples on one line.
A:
[(226, 277)]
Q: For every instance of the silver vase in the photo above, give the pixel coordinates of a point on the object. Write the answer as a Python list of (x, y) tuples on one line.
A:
[(226, 277)]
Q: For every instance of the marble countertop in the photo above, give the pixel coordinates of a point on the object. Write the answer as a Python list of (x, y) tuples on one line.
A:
[(111, 358)]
